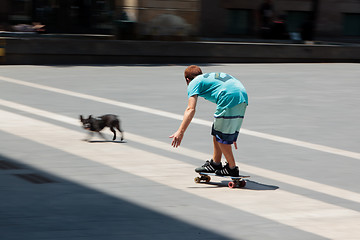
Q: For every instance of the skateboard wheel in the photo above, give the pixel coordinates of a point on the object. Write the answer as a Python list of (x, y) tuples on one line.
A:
[(197, 180), (231, 184), (208, 178), (242, 184)]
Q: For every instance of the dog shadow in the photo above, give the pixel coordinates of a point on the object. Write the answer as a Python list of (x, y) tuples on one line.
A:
[(105, 141)]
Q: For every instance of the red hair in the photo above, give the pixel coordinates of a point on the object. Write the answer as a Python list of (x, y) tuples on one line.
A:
[(192, 71)]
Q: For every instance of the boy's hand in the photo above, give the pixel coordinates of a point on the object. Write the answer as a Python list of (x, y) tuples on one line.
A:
[(177, 138)]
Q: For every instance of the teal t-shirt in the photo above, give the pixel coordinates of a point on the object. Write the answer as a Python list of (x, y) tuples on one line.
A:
[(220, 88)]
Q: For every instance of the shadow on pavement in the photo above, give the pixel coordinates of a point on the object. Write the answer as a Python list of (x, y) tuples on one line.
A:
[(250, 185), (38, 205), (106, 141)]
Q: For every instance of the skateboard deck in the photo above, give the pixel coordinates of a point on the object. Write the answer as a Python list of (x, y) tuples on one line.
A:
[(236, 181)]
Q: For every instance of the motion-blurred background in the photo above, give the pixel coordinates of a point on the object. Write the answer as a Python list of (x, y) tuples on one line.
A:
[(190, 19)]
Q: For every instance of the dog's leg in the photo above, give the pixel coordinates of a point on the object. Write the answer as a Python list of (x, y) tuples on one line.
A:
[(121, 131), (113, 130)]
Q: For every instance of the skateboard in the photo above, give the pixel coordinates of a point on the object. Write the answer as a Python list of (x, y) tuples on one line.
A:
[(236, 181)]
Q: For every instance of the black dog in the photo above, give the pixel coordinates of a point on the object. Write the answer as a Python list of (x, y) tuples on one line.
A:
[(99, 123)]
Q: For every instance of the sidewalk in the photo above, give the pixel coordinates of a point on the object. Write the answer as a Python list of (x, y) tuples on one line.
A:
[(103, 49)]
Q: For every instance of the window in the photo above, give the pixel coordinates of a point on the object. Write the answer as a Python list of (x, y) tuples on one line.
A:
[(239, 22), (20, 11), (351, 24), (295, 19)]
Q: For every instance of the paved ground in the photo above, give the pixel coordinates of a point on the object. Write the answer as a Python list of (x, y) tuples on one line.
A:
[(299, 142)]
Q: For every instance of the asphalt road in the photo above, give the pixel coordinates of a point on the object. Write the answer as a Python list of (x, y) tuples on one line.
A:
[(299, 143)]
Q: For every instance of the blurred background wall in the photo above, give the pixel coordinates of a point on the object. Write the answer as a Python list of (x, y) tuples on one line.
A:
[(189, 19)]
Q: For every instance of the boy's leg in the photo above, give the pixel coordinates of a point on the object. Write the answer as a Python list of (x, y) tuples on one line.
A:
[(217, 151), (226, 127), (230, 169), (226, 149)]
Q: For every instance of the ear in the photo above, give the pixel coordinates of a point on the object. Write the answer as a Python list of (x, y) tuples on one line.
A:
[(81, 117), (90, 116)]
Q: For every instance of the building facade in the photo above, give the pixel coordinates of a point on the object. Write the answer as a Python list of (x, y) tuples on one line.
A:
[(331, 18), (63, 16), (201, 18), (157, 18)]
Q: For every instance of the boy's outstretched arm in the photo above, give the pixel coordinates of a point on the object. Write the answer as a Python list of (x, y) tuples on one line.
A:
[(188, 116)]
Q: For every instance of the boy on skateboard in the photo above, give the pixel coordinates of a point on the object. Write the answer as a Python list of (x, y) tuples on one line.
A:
[(231, 99)]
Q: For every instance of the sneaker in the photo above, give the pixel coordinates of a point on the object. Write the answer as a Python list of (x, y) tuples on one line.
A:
[(209, 167), (227, 171)]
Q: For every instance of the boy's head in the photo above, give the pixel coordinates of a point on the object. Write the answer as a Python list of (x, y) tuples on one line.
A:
[(191, 72)]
